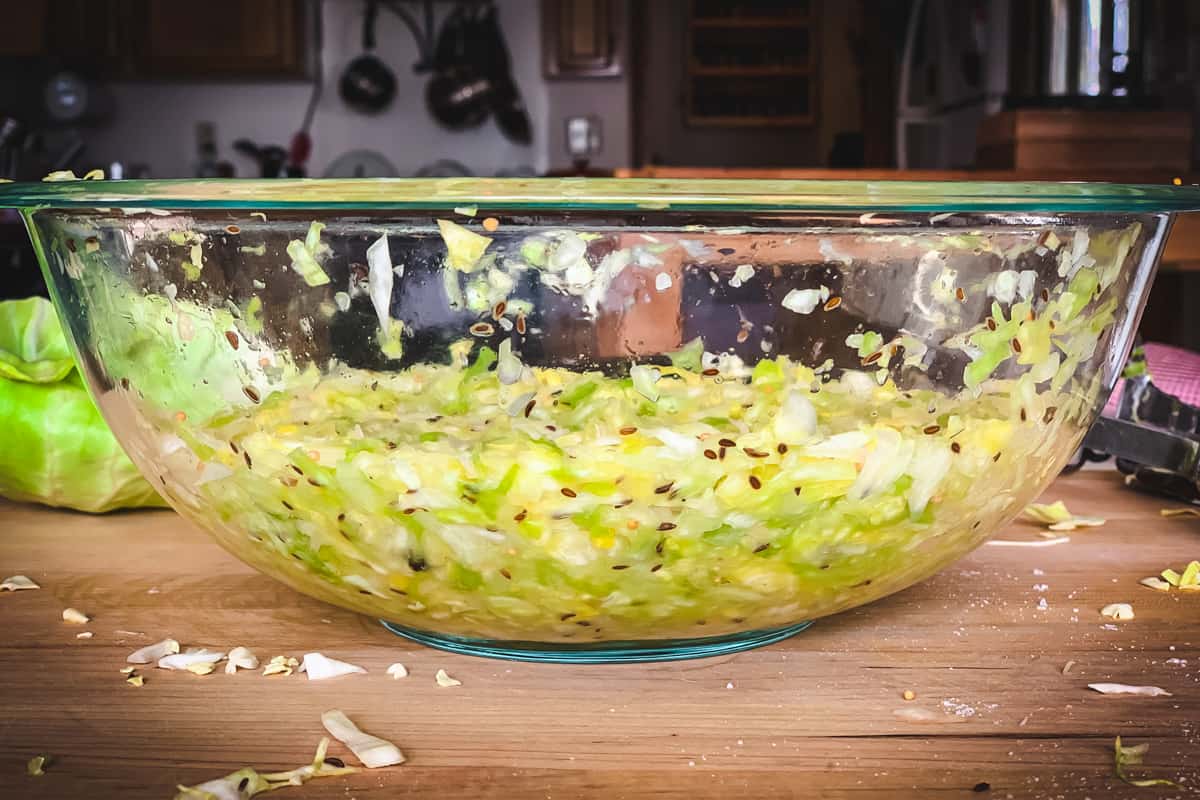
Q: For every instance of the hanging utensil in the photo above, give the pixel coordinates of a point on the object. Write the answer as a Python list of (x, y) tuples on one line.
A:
[(271, 158), (505, 100), (300, 147), (368, 84), (457, 95)]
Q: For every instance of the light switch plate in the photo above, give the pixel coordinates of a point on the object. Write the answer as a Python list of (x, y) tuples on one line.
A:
[(583, 135)]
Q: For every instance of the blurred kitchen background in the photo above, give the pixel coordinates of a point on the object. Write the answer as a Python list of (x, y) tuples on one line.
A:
[(949, 89)]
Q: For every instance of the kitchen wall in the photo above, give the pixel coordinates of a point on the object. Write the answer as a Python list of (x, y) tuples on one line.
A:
[(154, 123)]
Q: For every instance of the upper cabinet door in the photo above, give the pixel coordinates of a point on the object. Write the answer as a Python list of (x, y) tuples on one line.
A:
[(163, 39), (220, 38), (74, 34), (24, 30)]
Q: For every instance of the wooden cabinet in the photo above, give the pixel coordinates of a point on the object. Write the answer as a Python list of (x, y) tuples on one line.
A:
[(164, 39), (85, 35), (24, 29), (220, 38), (731, 84), (751, 64), (71, 32), (580, 38)]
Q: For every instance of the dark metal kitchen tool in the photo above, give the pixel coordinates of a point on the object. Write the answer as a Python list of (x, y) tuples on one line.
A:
[(271, 158), (507, 106), (368, 84), (1155, 438), (458, 93)]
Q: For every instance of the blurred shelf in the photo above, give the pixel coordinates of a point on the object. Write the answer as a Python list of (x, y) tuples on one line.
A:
[(753, 70), (788, 121), (791, 21), (1182, 251), (748, 71), (1154, 177)]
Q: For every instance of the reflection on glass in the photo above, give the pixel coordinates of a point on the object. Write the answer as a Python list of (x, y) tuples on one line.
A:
[(1089, 48)]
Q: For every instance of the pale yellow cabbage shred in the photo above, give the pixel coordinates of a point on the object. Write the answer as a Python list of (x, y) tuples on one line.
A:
[(464, 248), (1132, 756), (256, 782), (1057, 517)]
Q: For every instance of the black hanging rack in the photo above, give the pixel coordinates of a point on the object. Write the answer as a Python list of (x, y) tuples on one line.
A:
[(418, 17)]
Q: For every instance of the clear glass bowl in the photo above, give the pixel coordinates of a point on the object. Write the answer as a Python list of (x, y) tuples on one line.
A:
[(592, 420)]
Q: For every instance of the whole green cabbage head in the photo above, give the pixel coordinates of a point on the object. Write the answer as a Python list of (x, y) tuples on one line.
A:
[(56, 447)]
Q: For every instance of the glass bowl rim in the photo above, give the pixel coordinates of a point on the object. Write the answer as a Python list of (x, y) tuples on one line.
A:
[(604, 194)]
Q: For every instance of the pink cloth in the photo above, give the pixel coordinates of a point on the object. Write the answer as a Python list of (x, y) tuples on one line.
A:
[(1172, 369)]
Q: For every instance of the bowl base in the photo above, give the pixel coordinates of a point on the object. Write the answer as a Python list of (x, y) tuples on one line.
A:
[(599, 652)]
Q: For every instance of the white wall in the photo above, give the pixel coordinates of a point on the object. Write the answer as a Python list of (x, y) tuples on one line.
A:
[(154, 123)]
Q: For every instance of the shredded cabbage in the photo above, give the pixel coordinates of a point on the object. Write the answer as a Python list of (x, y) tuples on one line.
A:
[(508, 366), (483, 500), (1132, 756), (380, 279), (644, 380), (1057, 517), (248, 782), (802, 301), (487, 496), (464, 247), (743, 273), (306, 264), (689, 357)]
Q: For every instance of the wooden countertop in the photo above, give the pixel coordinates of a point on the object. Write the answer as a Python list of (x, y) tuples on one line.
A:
[(814, 715)]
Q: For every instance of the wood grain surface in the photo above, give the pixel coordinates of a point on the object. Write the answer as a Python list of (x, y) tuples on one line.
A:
[(812, 716)]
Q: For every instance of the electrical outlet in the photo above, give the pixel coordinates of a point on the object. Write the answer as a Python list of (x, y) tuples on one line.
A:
[(583, 136)]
